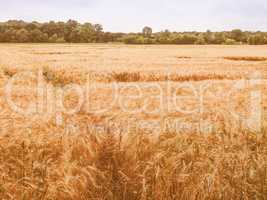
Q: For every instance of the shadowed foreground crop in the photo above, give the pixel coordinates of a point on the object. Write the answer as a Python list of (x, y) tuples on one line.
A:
[(189, 166)]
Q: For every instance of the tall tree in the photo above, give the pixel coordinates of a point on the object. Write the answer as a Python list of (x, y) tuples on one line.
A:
[(147, 31)]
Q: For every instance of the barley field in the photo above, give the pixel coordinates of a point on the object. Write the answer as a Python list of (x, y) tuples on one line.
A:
[(152, 122)]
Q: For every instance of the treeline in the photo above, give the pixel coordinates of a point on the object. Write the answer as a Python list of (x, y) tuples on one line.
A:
[(74, 32), (54, 32)]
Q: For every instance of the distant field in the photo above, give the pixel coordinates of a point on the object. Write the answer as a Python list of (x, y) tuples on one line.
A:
[(106, 58), (111, 121)]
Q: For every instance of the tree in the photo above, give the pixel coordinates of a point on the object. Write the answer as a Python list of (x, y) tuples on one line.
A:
[(16, 24), (209, 37), (1, 37), (38, 36), (230, 41), (70, 26), (31, 26), (147, 31), (73, 31), (75, 35), (60, 40), (87, 32), (172, 39), (9, 35), (188, 39), (53, 38), (22, 35), (257, 39), (165, 37), (237, 35), (200, 40), (219, 38), (50, 28), (98, 28)]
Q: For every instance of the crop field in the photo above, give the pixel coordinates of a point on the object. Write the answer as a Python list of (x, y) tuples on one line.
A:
[(128, 122)]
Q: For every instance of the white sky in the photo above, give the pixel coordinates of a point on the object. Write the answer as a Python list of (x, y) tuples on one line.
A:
[(133, 15)]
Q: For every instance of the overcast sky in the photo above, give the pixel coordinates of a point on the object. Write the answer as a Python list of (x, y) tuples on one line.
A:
[(132, 15)]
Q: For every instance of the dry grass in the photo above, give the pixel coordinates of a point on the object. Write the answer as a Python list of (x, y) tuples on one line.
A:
[(126, 77), (189, 166), (245, 58), (65, 77), (40, 159), (152, 77), (183, 57)]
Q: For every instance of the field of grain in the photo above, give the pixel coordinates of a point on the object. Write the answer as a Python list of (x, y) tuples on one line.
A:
[(92, 121)]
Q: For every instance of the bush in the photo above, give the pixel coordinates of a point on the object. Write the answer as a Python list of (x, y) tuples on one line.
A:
[(200, 41), (61, 40), (257, 40), (230, 41)]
